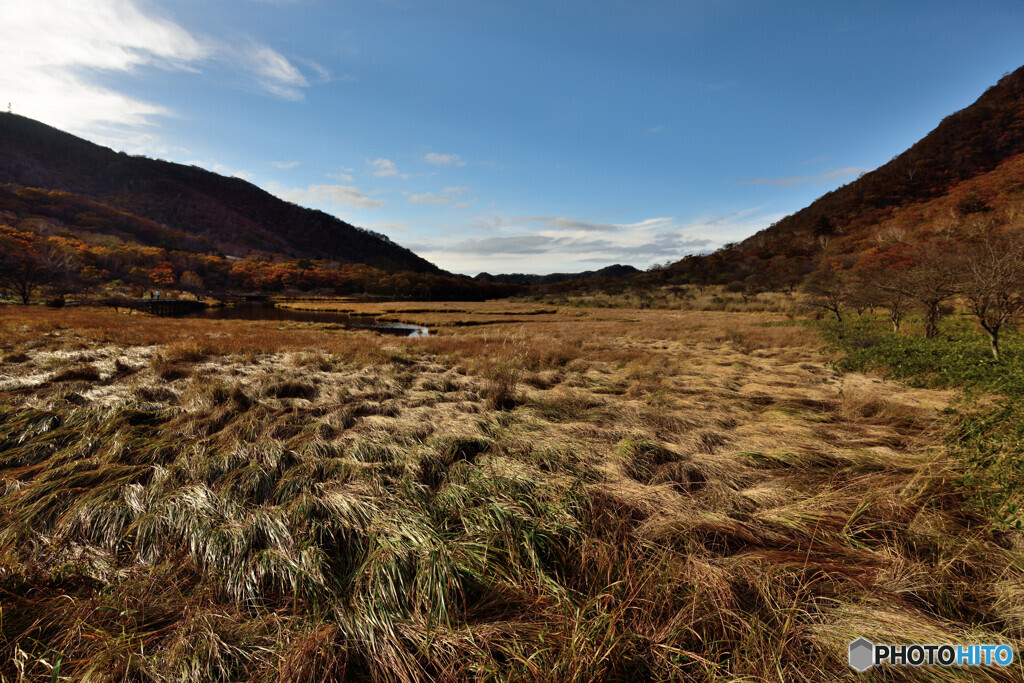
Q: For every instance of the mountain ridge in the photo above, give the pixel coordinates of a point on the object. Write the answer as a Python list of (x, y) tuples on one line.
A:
[(970, 157), (235, 216), (613, 271)]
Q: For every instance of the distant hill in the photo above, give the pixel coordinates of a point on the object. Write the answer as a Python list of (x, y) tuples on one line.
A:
[(178, 207), (971, 165), (615, 271)]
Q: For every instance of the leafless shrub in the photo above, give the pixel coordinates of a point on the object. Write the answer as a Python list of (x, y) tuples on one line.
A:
[(501, 390)]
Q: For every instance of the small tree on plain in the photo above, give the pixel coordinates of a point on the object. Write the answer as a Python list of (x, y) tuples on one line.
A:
[(897, 304), (872, 288), (829, 288), (992, 283), (930, 282), (23, 271), (877, 280)]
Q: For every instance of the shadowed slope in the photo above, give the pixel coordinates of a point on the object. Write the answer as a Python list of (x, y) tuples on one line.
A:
[(232, 214)]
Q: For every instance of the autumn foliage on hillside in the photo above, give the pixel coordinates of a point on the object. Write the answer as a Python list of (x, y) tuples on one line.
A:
[(186, 204), (965, 177), (53, 244), (76, 217)]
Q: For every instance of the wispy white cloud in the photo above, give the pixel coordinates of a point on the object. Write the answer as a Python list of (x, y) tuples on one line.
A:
[(344, 175), (571, 224), (285, 165), (52, 48), (545, 244), (57, 53), (318, 73), (830, 174), (443, 159), (385, 168), (813, 160), (330, 196), (446, 196), (656, 129), (269, 70)]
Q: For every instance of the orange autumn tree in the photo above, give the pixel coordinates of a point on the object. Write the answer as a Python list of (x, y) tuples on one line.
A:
[(22, 270), (162, 274)]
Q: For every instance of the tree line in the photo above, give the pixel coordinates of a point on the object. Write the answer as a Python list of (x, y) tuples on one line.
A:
[(54, 266), (983, 273)]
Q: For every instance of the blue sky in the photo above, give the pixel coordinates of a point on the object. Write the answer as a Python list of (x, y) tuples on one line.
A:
[(515, 136)]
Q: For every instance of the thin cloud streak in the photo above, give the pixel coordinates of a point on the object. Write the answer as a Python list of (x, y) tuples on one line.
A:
[(446, 196), (332, 196), (270, 71), (443, 159), (494, 243)]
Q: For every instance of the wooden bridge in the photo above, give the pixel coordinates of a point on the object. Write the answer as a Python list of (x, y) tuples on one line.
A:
[(163, 307)]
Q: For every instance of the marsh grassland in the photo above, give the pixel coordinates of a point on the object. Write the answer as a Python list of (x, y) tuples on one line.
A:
[(532, 493)]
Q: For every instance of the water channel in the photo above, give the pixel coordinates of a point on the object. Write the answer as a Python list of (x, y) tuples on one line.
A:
[(268, 311)]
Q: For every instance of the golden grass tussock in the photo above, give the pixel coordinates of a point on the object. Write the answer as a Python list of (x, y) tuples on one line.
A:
[(537, 491)]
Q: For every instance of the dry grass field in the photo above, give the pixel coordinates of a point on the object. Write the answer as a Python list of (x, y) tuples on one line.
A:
[(532, 493), (441, 313)]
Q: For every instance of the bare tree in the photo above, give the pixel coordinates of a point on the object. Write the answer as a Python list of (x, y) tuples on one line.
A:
[(897, 303), (930, 283), (829, 288), (924, 275), (874, 288), (992, 282), (861, 295), (191, 281), (64, 266)]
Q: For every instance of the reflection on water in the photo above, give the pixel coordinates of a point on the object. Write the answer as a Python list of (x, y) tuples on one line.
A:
[(268, 311)]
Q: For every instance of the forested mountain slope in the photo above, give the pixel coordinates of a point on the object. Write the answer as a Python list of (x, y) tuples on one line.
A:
[(226, 214)]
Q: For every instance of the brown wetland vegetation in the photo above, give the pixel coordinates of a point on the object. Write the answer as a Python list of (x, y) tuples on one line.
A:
[(535, 492)]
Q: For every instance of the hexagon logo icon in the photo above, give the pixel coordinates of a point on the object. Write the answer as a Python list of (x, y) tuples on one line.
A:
[(862, 654)]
